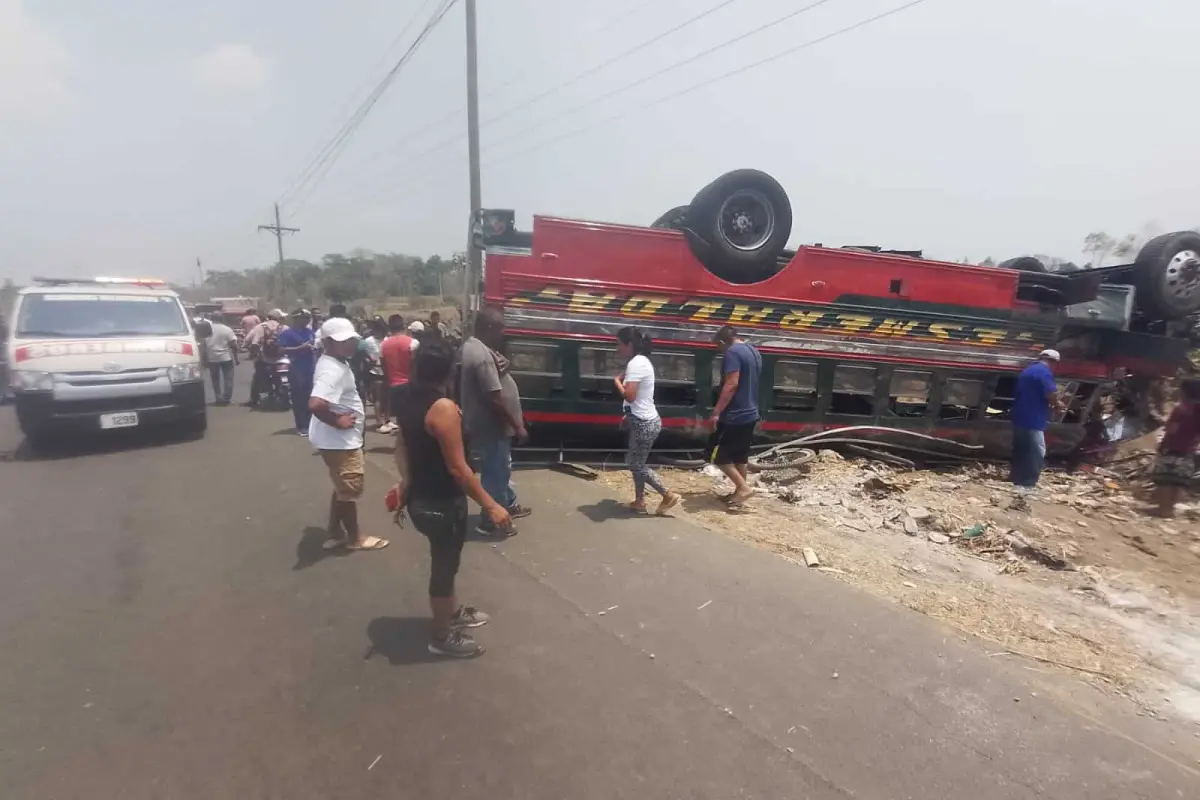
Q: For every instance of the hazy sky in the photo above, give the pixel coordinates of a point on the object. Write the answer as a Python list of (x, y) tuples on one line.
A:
[(138, 135)]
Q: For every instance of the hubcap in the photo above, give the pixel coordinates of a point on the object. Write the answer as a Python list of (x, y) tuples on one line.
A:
[(746, 220), (1183, 275)]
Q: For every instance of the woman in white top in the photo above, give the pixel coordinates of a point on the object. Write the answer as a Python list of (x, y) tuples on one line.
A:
[(636, 386)]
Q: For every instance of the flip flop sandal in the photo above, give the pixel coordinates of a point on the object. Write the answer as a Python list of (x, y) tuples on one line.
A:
[(370, 543)]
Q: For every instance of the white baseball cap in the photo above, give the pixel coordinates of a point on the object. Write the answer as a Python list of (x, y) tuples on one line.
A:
[(339, 329), (1053, 355), (416, 326)]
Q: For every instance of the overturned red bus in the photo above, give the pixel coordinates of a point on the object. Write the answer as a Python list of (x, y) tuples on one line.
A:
[(849, 336)]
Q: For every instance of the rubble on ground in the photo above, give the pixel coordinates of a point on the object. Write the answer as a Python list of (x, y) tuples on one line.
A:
[(968, 506)]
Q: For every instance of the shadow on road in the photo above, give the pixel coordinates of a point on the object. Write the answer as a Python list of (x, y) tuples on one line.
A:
[(95, 444), (311, 550), (608, 509), (401, 640)]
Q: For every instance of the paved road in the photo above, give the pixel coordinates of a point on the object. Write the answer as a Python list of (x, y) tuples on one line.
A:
[(169, 629)]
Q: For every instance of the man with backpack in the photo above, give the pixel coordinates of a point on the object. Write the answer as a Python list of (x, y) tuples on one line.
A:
[(263, 344)]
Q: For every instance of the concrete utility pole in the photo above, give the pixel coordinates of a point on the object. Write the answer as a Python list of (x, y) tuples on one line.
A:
[(279, 231), (473, 267)]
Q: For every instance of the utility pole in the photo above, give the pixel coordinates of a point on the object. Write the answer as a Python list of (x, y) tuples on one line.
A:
[(474, 262), (200, 269), (279, 231)]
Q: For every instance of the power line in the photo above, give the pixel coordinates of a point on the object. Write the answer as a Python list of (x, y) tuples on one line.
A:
[(538, 146), (629, 12), (336, 147), (626, 87), (347, 105), (664, 70), (724, 76), (449, 140)]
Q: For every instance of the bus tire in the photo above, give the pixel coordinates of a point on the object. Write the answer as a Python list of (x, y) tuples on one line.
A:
[(745, 217), (1023, 264), (1167, 276)]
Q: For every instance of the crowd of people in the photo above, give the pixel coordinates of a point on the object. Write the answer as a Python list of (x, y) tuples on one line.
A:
[(455, 412)]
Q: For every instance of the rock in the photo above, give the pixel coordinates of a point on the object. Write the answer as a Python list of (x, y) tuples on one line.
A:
[(892, 516), (1081, 523), (810, 557), (938, 538), (918, 513), (829, 455), (911, 527), (856, 524)]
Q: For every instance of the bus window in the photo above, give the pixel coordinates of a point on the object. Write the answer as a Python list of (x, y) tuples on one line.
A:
[(853, 390), (674, 379), (597, 368), (536, 367), (795, 385), (960, 399), (909, 393), (1002, 398)]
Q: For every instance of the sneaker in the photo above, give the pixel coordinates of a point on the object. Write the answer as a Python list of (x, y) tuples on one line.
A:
[(518, 511), (456, 645), (469, 617), (489, 531), (302, 433), (387, 427)]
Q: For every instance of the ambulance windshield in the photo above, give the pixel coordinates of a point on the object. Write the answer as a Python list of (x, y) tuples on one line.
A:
[(100, 316)]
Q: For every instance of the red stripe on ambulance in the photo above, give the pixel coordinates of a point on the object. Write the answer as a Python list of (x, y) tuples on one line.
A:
[(92, 347)]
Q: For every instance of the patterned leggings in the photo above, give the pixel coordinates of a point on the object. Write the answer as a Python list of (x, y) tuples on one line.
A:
[(642, 433)]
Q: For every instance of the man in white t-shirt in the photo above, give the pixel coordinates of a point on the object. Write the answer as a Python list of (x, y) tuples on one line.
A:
[(336, 430)]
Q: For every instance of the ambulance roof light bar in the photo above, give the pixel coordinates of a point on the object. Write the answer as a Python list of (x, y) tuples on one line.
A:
[(149, 282)]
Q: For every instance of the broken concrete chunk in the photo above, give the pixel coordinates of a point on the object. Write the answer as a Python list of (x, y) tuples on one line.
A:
[(918, 513), (911, 527), (938, 538), (810, 557)]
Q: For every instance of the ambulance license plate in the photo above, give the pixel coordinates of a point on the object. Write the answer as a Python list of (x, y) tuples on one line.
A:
[(128, 419)]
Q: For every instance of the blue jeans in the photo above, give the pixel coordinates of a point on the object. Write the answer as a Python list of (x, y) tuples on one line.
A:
[(300, 384), (493, 459), (1028, 457)]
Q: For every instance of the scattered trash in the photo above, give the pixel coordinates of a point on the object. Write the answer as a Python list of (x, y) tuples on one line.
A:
[(938, 538), (612, 608), (810, 558), (376, 761), (704, 605), (978, 529)]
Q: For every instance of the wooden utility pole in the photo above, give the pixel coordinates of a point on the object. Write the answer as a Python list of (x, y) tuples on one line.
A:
[(278, 230), (473, 267)]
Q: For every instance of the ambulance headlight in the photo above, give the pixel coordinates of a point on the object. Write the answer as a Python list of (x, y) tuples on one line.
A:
[(28, 380), (183, 373)]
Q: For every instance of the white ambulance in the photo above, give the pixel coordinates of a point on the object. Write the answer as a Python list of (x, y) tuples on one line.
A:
[(103, 353)]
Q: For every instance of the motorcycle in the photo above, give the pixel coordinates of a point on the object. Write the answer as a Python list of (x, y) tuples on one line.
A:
[(280, 391)]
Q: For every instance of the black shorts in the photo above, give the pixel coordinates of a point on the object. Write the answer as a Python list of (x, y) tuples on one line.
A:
[(730, 444)]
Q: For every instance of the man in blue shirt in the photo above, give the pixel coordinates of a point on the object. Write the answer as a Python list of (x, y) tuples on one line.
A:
[(297, 343), (1036, 396), (736, 413)]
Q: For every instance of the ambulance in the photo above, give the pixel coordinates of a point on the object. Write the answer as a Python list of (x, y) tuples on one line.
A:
[(100, 354)]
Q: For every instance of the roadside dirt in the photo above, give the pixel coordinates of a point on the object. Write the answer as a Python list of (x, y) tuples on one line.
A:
[(1083, 582)]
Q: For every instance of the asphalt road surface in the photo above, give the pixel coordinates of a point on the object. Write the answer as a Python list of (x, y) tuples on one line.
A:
[(170, 628)]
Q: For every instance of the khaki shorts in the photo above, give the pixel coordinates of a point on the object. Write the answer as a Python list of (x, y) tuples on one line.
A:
[(346, 469)]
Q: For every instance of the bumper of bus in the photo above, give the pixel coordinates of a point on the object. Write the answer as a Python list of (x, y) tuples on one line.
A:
[(39, 412)]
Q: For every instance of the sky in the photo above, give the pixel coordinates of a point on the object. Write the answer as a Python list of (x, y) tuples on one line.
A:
[(137, 136)]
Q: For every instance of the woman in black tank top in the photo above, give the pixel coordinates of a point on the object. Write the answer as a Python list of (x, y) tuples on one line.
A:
[(436, 481)]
